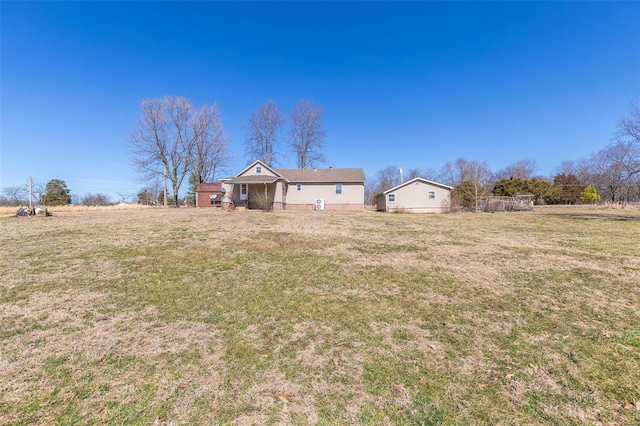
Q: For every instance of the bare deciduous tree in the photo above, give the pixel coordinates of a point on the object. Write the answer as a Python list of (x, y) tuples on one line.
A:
[(166, 136), (615, 169), (629, 136), (611, 171), (261, 139), (307, 134), (567, 167), (521, 169), (16, 194), (475, 175), (95, 200), (211, 153), (427, 173), (582, 169), (150, 195), (37, 191), (384, 179), (629, 127)]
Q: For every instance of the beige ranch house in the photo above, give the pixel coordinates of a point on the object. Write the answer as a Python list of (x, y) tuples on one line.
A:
[(296, 189), (417, 195)]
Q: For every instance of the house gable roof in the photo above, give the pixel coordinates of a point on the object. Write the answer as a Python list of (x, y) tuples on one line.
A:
[(417, 179), (259, 163), (252, 179), (330, 175)]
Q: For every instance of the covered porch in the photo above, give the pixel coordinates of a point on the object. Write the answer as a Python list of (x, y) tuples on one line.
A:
[(255, 192)]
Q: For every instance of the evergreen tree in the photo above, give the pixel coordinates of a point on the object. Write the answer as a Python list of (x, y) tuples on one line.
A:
[(56, 194), (194, 181), (510, 187), (145, 197)]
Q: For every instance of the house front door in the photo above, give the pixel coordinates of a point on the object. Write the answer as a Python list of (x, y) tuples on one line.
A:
[(244, 191)]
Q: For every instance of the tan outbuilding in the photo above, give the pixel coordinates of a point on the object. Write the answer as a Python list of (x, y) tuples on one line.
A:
[(417, 195)]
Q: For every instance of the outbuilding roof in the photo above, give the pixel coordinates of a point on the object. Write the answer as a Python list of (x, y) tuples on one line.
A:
[(209, 187), (418, 179)]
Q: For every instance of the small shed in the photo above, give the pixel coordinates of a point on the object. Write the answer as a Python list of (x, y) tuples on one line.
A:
[(417, 195), (209, 194)]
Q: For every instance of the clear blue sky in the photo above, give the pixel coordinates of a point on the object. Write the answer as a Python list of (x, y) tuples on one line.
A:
[(418, 83)]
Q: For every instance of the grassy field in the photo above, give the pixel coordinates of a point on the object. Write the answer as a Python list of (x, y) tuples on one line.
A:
[(198, 316)]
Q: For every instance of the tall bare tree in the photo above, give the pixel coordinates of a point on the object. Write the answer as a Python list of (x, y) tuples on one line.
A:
[(473, 176), (613, 172), (37, 191), (211, 153), (167, 135), (262, 133), (427, 173), (581, 168), (307, 133), (615, 169), (629, 137), (629, 126), (384, 179), (521, 169), (16, 194)]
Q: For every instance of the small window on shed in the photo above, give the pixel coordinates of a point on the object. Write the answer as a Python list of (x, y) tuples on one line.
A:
[(392, 198), (258, 169), (432, 195), (338, 188)]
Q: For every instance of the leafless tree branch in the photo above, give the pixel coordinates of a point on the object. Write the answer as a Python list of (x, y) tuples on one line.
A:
[(307, 133), (261, 138), (172, 138)]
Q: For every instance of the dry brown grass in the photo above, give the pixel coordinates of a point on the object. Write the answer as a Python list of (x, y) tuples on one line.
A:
[(183, 316), (11, 211)]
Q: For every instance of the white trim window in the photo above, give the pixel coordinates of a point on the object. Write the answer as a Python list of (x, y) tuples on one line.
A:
[(391, 198), (432, 195), (298, 187), (338, 188), (258, 170)]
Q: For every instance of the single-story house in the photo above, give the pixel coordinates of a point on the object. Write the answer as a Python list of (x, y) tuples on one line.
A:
[(416, 195), (296, 189), (209, 194)]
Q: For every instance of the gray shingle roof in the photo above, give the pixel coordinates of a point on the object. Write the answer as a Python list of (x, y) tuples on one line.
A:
[(329, 175), (208, 186), (253, 179), (409, 182)]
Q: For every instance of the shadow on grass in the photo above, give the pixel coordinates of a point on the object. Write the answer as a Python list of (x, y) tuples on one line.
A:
[(596, 216)]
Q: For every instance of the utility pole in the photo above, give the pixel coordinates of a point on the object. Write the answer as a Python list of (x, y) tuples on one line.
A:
[(30, 191)]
